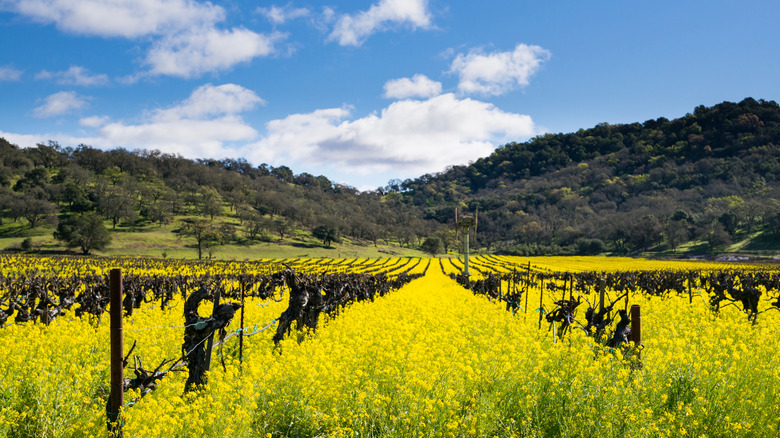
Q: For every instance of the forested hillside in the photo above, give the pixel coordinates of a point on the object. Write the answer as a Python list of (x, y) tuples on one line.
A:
[(695, 184), (213, 201), (711, 176)]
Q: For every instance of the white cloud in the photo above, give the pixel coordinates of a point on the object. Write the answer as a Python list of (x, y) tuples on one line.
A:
[(498, 72), (93, 121), (408, 136), (60, 103), (30, 140), (119, 18), (279, 15), (417, 86), (352, 30), (75, 75), (405, 139), (208, 100), (198, 51), (186, 41), (190, 138), (10, 74), (197, 127), (206, 124)]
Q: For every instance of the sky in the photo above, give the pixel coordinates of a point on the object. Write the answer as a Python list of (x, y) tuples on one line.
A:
[(367, 91)]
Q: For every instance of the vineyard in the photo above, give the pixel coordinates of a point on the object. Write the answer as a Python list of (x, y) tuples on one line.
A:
[(395, 347)]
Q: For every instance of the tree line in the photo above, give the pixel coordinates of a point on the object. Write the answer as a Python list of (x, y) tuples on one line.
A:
[(212, 201), (710, 177)]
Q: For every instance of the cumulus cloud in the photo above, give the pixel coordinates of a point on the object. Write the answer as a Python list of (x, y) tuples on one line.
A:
[(198, 51), (75, 75), (60, 103), (199, 126), (30, 140), (417, 86), (9, 74), (209, 100), (281, 14), (353, 30), (206, 124), (119, 18), (497, 72), (189, 138), (186, 39), (408, 136), (93, 121)]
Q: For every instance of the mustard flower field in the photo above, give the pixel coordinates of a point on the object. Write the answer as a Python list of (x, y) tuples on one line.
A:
[(429, 358)]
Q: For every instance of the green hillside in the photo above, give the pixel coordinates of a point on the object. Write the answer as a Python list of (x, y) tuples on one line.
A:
[(705, 183)]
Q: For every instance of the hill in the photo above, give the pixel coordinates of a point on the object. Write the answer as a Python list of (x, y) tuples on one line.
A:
[(152, 202), (699, 183), (707, 182)]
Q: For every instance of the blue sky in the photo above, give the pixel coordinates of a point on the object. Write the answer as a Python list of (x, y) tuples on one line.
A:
[(366, 91)]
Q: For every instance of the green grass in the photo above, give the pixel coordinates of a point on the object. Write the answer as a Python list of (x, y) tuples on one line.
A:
[(152, 240)]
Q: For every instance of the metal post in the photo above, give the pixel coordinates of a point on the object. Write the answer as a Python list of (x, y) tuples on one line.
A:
[(241, 333), (116, 398), (541, 295)]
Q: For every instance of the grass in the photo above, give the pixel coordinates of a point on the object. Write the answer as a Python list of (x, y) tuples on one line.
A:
[(152, 240)]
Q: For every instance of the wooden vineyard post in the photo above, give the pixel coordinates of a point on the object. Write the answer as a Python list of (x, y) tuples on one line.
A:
[(527, 286), (45, 314), (690, 291), (636, 330), (563, 297), (210, 342), (116, 398), (636, 324), (602, 286), (512, 285)]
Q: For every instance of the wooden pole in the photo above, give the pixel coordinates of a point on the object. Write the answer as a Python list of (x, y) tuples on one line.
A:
[(210, 342), (116, 398), (466, 254), (513, 282), (527, 286), (602, 286), (45, 314), (563, 296), (636, 324), (690, 292)]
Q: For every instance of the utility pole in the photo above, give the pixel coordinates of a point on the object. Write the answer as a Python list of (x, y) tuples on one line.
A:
[(466, 222)]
